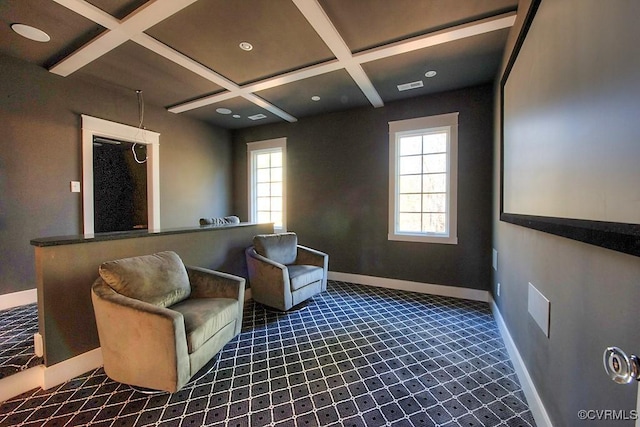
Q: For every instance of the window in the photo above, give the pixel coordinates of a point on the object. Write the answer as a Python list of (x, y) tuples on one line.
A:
[(423, 179), (267, 195)]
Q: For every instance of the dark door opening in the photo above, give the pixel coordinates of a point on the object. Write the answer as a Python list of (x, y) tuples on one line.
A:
[(119, 185)]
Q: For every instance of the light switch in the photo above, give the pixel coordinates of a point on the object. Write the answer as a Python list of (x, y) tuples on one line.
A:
[(75, 186)]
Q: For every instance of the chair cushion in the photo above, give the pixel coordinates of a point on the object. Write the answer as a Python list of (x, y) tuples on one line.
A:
[(160, 279), (302, 275), (204, 317), (282, 247)]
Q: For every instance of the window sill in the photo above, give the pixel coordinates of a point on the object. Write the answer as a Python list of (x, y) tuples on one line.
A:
[(446, 240)]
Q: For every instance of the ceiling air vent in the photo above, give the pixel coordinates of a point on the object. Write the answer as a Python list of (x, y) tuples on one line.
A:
[(409, 86), (257, 117)]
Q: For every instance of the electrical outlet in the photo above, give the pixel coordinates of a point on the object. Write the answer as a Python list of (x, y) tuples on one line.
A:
[(75, 186), (498, 289)]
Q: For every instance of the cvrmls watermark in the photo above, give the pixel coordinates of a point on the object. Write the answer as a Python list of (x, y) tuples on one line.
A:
[(607, 414)]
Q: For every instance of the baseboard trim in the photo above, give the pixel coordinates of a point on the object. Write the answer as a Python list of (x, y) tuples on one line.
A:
[(531, 393), (16, 299), (66, 370), (405, 285), (21, 382)]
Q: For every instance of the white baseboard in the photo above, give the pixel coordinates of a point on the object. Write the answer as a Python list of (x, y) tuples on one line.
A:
[(404, 285), (68, 369), (533, 398), (21, 382), (46, 377), (16, 299)]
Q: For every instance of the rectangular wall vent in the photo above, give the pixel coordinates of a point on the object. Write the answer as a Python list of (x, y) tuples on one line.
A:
[(257, 117), (409, 86)]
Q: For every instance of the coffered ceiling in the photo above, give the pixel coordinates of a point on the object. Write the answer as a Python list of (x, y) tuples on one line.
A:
[(307, 57)]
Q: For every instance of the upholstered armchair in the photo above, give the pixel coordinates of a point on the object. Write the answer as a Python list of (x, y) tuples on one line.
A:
[(159, 321), (282, 274)]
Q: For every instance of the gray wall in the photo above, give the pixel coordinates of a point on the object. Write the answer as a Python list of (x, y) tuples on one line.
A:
[(593, 291), (338, 189), (40, 153)]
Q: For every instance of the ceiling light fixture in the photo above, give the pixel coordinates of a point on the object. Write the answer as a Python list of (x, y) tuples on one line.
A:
[(223, 111), (246, 46), (430, 74), (315, 98), (257, 117), (31, 33), (236, 116)]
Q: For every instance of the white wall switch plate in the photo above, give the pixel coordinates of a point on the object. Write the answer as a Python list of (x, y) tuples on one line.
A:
[(75, 186), (495, 260), (539, 308)]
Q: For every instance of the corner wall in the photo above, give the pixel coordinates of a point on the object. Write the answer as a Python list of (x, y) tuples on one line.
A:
[(338, 189), (40, 153), (593, 292)]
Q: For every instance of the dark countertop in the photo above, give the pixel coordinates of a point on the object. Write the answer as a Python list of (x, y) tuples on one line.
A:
[(101, 237)]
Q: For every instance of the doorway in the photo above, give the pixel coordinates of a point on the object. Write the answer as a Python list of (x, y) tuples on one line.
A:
[(119, 185)]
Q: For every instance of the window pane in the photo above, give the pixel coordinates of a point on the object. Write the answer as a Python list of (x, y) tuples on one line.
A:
[(263, 203), (434, 163), (410, 145), (410, 184), (434, 183), (263, 175), (263, 216), (263, 190), (410, 165), (408, 222), (276, 218), (434, 223), (276, 204), (434, 143), (410, 203), (434, 202), (276, 174), (262, 160), (276, 159), (276, 189)]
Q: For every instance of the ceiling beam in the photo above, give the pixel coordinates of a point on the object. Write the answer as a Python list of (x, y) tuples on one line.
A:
[(345, 59), (317, 17), (462, 31), (117, 32)]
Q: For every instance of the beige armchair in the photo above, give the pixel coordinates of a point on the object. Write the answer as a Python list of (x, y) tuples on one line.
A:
[(159, 321), (282, 274)]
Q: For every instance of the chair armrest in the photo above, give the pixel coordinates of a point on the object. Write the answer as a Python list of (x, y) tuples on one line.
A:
[(308, 256), (151, 338), (207, 283)]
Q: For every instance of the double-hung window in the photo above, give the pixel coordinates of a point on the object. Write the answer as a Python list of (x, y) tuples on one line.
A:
[(267, 161), (423, 179)]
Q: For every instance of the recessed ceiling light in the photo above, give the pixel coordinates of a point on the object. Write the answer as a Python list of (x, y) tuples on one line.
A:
[(430, 74), (246, 46), (237, 116), (31, 33), (257, 117), (315, 98), (223, 111)]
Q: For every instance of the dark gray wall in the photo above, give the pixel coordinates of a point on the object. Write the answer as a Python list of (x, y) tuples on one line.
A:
[(593, 291), (338, 189), (40, 153)]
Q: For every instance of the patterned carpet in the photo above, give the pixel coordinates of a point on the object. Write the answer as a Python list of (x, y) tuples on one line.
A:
[(355, 356), (17, 326)]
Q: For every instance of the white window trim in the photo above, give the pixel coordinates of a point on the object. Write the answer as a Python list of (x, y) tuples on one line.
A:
[(92, 126), (403, 127), (261, 146)]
